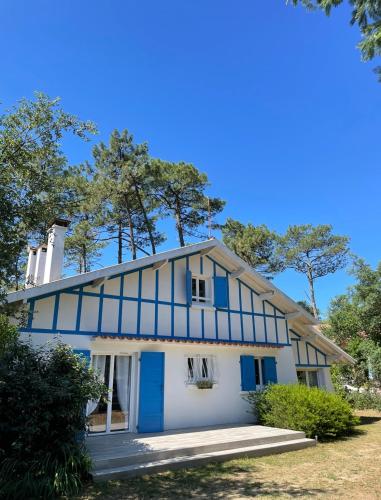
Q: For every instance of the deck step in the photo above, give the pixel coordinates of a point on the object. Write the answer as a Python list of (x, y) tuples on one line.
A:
[(150, 456), (180, 461)]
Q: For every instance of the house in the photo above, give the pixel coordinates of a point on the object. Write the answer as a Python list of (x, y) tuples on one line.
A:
[(178, 337)]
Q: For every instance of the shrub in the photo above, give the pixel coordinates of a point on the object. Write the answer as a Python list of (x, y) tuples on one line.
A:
[(43, 393), (313, 411), (364, 400)]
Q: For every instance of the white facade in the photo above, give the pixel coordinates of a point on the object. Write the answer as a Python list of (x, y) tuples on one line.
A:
[(158, 304)]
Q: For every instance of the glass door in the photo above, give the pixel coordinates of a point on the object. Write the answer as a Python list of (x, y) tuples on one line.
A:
[(114, 415)]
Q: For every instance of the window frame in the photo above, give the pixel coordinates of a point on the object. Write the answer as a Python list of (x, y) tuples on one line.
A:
[(197, 370), (198, 300), (307, 372)]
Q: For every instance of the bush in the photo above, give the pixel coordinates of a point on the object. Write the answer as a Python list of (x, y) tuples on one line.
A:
[(313, 411), (364, 400), (43, 393)]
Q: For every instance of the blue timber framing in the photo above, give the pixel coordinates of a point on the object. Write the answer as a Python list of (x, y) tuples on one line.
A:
[(275, 314), (314, 363)]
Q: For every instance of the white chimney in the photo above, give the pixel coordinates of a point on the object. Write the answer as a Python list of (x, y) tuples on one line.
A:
[(55, 251), (31, 267), (40, 265)]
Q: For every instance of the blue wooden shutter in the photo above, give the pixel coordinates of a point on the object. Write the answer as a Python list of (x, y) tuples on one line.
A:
[(151, 392), (247, 373), (188, 286), (84, 354), (220, 291), (269, 370)]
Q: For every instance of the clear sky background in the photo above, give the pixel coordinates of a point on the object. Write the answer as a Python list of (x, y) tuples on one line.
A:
[(272, 102)]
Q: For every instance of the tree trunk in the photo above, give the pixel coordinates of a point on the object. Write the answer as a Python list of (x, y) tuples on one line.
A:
[(132, 235), (179, 225), (120, 243), (312, 294), (85, 264), (146, 220)]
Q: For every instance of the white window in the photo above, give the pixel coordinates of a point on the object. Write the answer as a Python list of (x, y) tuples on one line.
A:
[(199, 368), (308, 377), (201, 293)]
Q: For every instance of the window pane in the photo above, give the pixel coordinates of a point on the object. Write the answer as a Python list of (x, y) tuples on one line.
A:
[(190, 368), (257, 374), (313, 379), (121, 393), (204, 371), (98, 415), (194, 286), (302, 377), (202, 290)]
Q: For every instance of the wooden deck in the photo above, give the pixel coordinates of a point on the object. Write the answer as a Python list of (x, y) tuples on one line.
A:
[(127, 454)]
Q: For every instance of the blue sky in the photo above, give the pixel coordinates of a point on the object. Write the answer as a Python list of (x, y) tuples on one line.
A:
[(272, 102)]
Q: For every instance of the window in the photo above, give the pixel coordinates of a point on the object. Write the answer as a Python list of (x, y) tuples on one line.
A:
[(200, 290), (313, 379), (308, 377), (200, 368)]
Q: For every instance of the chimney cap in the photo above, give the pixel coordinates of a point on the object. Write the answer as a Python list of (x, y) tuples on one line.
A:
[(61, 222)]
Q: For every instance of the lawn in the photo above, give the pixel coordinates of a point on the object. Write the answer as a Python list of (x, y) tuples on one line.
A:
[(348, 468)]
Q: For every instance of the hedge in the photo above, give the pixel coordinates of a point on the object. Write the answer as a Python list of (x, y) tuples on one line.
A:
[(314, 411)]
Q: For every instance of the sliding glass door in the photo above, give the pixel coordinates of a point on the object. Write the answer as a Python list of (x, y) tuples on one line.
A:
[(115, 372)]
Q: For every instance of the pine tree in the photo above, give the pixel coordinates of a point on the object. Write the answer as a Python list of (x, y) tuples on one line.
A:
[(256, 245), (83, 245), (180, 190), (313, 251), (123, 183)]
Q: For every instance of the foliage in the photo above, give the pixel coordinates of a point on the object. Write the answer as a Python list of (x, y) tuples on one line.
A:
[(307, 306), (32, 176), (365, 13), (367, 400), (204, 384), (311, 410), (256, 245), (43, 393), (83, 245), (179, 189), (8, 334), (354, 323), (123, 183), (313, 251), (359, 310)]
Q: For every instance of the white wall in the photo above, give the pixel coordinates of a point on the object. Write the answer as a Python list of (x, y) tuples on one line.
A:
[(184, 405)]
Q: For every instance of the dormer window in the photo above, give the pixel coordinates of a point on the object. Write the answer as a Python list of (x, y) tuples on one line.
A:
[(206, 291), (201, 293)]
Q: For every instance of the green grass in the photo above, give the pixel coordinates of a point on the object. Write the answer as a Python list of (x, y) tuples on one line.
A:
[(348, 468)]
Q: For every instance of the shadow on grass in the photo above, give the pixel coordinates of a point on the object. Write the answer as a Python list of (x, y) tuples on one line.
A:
[(356, 433), (365, 420), (215, 480)]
